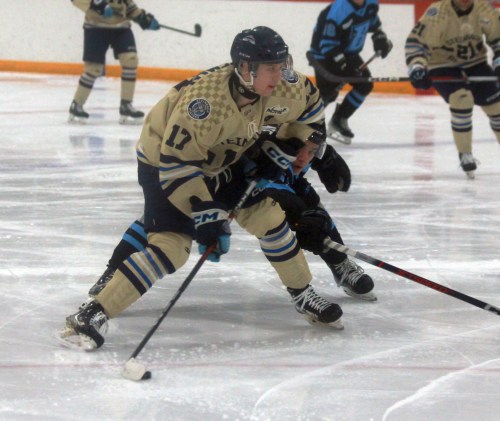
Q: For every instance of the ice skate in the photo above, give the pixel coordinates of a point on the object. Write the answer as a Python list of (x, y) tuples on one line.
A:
[(353, 280), (468, 164), (84, 329), (101, 283), (315, 308), (338, 129), (77, 114), (130, 115)]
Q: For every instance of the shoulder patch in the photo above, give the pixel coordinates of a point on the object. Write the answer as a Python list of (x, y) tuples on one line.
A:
[(433, 11), (199, 109)]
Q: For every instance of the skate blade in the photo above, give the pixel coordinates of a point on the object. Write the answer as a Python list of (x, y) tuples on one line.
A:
[(130, 121), (73, 119), (471, 175), (369, 296), (339, 138), (68, 338), (337, 324)]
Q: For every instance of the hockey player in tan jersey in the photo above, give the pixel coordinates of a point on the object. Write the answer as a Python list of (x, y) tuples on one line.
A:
[(201, 127), (449, 41), (107, 24)]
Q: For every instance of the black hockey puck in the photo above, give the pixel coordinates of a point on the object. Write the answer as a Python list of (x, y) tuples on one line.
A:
[(146, 375)]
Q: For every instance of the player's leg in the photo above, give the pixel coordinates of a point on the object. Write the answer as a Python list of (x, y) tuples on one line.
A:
[(487, 96), (461, 103), (134, 239), (95, 44), (266, 220), (170, 234), (350, 104), (125, 50)]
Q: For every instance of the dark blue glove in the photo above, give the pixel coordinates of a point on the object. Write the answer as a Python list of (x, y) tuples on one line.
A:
[(212, 227), (419, 76), (102, 8), (332, 170), (273, 160), (381, 44), (147, 21), (311, 228)]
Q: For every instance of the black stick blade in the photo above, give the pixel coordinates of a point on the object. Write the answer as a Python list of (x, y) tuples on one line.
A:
[(197, 30)]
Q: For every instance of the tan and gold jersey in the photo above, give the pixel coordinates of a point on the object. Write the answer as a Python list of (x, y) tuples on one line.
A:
[(444, 37), (197, 130), (123, 11)]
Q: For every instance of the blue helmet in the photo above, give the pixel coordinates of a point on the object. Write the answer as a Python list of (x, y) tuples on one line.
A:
[(258, 45)]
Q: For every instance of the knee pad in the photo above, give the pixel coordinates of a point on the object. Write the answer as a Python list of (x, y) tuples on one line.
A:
[(129, 60), (461, 99), (93, 69), (262, 217), (461, 104), (172, 249)]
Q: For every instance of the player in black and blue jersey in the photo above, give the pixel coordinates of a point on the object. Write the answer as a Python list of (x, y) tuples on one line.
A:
[(338, 38)]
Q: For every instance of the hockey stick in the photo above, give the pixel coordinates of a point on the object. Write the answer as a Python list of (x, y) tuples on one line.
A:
[(196, 33), (136, 371), (329, 244), (341, 79), (360, 68)]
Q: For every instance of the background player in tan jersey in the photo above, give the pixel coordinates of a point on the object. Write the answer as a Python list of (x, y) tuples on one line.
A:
[(107, 24), (201, 127), (449, 41)]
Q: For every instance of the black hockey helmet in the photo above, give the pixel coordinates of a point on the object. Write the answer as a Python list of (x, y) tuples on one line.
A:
[(258, 45)]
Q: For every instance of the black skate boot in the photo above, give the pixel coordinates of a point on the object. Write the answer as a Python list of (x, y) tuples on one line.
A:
[(338, 129), (468, 164), (128, 114), (353, 280), (315, 308), (77, 114), (85, 328), (101, 283)]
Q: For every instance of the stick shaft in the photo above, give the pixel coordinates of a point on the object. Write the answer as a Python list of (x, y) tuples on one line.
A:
[(193, 273), (412, 277), (320, 69), (196, 33)]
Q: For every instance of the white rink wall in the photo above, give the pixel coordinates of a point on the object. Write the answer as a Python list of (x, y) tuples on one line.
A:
[(51, 31)]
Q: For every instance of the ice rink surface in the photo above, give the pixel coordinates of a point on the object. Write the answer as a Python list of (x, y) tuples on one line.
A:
[(233, 347)]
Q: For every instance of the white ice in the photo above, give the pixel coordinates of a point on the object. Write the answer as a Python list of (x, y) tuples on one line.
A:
[(233, 347)]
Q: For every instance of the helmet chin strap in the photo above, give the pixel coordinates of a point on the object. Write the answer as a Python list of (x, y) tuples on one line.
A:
[(243, 87)]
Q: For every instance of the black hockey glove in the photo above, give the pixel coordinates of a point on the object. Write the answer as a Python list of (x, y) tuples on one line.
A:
[(311, 229), (306, 192), (102, 8), (147, 21), (419, 76), (273, 160), (333, 171), (381, 44), (212, 227)]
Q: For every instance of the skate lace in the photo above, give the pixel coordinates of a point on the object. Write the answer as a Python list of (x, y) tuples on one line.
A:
[(312, 300), (349, 272)]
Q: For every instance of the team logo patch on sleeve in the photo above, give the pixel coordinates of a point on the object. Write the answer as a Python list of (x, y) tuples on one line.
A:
[(432, 11), (199, 109)]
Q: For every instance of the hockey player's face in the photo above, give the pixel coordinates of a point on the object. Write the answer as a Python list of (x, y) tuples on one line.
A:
[(267, 78), (463, 4), (304, 157)]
